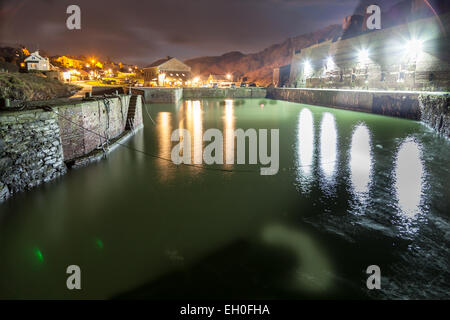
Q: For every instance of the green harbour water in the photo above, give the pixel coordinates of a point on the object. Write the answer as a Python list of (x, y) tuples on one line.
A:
[(353, 190)]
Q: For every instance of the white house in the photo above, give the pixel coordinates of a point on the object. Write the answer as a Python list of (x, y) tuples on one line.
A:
[(35, 62)]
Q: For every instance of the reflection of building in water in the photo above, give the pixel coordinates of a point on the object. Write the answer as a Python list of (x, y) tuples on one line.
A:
[(164, 128), (360, 162), (191, 112), (409, 178), (197, 135), (305, 148), (328, 145), (228, 121)]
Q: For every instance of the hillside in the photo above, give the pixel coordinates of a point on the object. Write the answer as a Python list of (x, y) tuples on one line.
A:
[(31, 86), (258, 67)]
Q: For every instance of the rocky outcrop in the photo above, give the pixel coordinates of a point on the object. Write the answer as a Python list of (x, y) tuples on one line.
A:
[(258, 67), (30, 151), (435, 112)]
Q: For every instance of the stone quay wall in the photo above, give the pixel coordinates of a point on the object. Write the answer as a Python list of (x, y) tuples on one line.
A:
[(103, 119), (160, 95), (30, 151), (37, 145), (395, 104), (174, 95), (435, 112), (224, 93)]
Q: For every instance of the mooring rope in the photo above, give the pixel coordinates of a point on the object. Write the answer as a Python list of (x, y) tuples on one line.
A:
[(48, 108)]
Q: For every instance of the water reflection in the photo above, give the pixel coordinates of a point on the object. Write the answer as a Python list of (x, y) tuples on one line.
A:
[(164, 128), (328, 148), (314, 272), (361, 162), (197, 136), (229, 132), (191, 113), (305, 149), (409, 178)]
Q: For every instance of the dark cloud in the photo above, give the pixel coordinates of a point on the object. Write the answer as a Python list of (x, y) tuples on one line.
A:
[(141, 31)]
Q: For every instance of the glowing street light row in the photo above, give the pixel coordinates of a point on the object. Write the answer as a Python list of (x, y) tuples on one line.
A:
[(412, 49)]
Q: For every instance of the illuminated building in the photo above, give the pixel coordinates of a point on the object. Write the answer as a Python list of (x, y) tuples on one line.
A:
[(36, 62), (220, 80), (412, 55), (167, 72)]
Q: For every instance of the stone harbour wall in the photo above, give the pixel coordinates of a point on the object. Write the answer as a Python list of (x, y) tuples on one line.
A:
[(173, 95), (36, 145), (102, 118), (160, 95), (435, 112), (395, 104), (224, 93), (30, 151)]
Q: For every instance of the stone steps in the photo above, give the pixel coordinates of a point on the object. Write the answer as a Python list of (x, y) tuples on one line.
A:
[(131, 113)]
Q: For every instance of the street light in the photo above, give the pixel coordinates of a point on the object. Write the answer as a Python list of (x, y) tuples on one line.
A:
[(330, 63), (363, 56), (413, 48), (307, 68)]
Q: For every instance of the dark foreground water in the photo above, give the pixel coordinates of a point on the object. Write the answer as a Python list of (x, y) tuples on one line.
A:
[(353, 190)]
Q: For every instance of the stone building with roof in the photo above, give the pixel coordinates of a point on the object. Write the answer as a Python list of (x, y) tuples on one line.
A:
[(167, 72)]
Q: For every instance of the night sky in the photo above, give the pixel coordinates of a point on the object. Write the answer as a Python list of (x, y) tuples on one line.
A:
[(137, 31)]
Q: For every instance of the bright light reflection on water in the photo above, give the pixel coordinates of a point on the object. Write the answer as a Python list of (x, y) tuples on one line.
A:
[(305, 148), (229, 132), (360, 162), (328, 147), (164, 128), (198, 133), (408, 175)]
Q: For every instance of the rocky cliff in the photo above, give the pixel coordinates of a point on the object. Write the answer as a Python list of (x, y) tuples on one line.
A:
[(258, 67)]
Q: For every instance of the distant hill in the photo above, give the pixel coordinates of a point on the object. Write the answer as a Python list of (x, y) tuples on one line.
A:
[(258, 67)]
